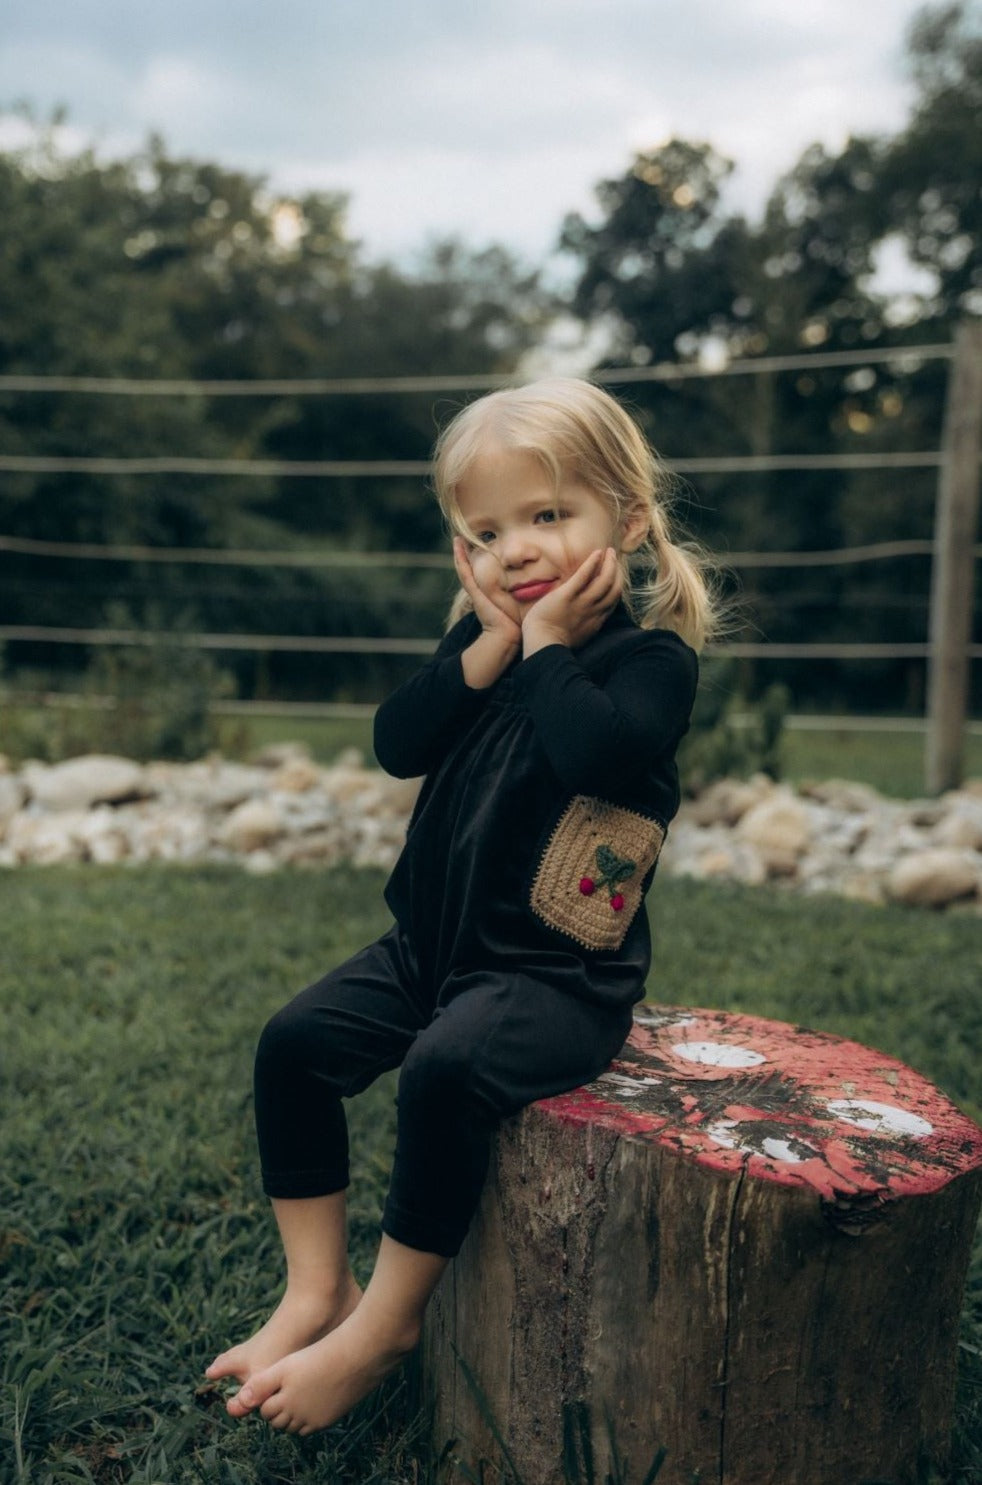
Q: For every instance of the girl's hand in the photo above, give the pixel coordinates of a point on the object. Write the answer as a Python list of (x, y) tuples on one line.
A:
[(574, 610), (501, 637)]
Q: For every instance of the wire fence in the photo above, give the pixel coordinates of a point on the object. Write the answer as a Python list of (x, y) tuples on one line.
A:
[(908, 358)]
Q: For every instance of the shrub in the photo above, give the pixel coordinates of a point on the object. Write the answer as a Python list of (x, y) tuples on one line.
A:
[(730, 736)]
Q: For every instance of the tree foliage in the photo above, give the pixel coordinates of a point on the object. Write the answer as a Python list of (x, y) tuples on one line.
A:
[(158, 266), (675, 276)]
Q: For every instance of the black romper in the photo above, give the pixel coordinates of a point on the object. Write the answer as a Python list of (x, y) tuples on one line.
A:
[(520, 942)]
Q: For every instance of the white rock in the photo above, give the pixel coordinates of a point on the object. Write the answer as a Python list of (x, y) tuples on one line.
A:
[(218, 785), (178, 833), (350, 758), (82, 782), (935, 877), (13, 792), (344, 783), (46, 840), (842, 794), (274, 755), (959, 827), (251, 826), (296, 775), (725, 801), (780, 829)]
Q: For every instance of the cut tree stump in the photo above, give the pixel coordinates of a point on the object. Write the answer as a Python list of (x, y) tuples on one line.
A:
[(746, 1244)]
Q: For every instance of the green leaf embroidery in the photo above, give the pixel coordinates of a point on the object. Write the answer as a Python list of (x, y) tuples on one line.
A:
[(614, 868)]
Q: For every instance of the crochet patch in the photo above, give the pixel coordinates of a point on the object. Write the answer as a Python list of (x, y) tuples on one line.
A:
[(588, 883)]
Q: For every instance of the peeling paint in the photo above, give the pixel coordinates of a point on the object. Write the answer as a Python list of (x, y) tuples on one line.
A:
[(742, 1094)]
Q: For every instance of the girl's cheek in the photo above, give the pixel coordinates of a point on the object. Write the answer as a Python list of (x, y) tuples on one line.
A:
[(484, 568)]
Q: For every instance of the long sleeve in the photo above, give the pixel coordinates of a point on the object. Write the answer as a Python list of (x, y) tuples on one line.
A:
[(599, 738), (413, 726)]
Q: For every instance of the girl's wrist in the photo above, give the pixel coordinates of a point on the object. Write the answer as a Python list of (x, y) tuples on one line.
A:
[(486, 659), (536, 637)]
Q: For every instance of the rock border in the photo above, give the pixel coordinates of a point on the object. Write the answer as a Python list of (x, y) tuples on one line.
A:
[(283, 809)]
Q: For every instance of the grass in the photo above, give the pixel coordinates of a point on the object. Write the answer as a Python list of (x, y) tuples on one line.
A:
[(134, 1240)]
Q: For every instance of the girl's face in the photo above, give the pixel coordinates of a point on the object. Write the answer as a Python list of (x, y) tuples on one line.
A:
[(532, 536)]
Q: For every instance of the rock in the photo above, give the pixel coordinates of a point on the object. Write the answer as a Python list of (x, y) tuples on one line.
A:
[(726, 801), (46, 840), (350, 758), (83, 782), (935, 877), (251, 826), (779, 828), (275, 755), (832, 836), (12, 795), (842, 794), (960, 826), (177, 833), (345, 783), (295, 776)]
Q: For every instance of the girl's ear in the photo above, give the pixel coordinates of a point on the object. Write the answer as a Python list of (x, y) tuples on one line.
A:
[(635, 526)]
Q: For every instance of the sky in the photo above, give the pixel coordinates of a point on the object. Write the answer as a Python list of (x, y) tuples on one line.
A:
[(488, 121)]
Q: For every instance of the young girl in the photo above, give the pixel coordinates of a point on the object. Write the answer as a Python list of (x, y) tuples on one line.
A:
[(546, 727)]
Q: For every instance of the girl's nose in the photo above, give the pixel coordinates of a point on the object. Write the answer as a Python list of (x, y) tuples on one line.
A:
[(517, 547)]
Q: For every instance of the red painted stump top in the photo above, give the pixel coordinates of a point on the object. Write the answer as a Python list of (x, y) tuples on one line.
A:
[(798, 1107)]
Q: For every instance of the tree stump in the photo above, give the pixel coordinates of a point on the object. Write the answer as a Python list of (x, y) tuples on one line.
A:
[(745, 1245)]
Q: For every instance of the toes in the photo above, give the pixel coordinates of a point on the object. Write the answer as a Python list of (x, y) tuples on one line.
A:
[(272, 1410)]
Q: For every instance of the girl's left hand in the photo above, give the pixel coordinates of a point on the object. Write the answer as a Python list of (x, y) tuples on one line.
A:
[(575, 609)]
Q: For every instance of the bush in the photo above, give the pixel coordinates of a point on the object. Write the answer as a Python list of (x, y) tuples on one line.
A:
[(146, 701), (730, 736)]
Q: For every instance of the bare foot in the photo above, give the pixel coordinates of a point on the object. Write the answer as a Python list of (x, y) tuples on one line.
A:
[(297, 1321), (315, 1387)]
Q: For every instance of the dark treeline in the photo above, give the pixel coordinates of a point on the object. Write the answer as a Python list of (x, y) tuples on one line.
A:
[(160, 267)]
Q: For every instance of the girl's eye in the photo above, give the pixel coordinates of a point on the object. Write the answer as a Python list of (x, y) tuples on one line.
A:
[(484, 537), (548, 517)]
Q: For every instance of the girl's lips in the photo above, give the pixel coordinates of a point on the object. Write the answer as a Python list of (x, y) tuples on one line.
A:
[(527, 591)]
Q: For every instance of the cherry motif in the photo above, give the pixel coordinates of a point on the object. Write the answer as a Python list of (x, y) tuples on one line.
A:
[(617, 902), (587, 886)]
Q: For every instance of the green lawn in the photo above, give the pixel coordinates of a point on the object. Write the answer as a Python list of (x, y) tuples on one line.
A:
[(134, 1238)]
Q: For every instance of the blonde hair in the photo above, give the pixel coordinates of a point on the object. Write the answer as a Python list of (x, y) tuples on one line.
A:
[(577, 430)]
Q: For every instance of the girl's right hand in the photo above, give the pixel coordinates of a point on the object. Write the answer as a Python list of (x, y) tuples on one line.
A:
[(501, 628), (499, 615)]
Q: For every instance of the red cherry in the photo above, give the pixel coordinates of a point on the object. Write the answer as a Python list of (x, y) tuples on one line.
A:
[(617, 902), (587, 885)]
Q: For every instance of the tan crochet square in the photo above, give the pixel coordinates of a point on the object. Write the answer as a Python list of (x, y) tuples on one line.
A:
[(612, 847)]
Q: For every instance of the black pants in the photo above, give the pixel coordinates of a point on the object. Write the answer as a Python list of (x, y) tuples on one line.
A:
[(473, 1050)]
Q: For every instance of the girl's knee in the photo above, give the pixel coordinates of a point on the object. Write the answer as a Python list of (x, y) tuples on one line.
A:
[(292, 1039)]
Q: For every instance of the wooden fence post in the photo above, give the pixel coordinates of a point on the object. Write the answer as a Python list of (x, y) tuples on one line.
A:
[(953, 568)]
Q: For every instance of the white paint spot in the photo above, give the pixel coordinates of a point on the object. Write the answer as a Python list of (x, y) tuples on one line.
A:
[(722, 1133), (781, 1150), (628, 1087), (718, 1054), (880, 1118)]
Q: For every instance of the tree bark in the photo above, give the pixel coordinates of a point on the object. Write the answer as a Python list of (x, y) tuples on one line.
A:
[(746, 1245)]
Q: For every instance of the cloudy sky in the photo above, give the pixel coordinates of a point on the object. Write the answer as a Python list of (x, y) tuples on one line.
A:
[(489, 121)]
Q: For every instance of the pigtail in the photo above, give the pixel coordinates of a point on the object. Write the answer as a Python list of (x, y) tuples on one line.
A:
[(679, 592)]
